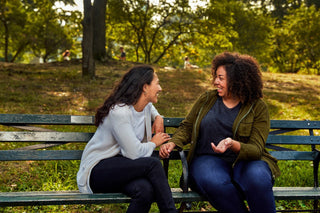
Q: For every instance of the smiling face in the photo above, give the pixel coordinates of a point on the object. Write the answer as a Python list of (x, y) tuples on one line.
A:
[(220, 82), (152, 90)]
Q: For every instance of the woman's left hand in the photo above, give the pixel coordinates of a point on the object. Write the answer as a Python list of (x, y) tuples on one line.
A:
[(158, 125), (222, 146)]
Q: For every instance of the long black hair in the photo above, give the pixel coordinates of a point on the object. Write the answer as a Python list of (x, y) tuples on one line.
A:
[(128, 90)]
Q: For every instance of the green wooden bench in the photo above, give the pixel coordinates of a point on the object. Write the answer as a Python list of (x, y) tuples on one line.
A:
[(39, 129)]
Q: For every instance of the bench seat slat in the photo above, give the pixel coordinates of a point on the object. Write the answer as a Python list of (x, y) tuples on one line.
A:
[(294, 155), (45, 136), (294, 124), (21, 155), (293, 139), (172, 122), (46, 119), (20, 136), (296, 193), (75, 197)]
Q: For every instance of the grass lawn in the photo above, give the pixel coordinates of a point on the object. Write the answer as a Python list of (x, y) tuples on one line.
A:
[(57, 88)]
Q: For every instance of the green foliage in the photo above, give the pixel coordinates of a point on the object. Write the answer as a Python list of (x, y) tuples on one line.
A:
[(254, 30), (282, 35), (14, 36), (36, 27), (297, 44), (148, 30)]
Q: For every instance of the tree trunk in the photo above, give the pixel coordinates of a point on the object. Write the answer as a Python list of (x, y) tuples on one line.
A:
[(88, 64), (6, 41), (99, 30)]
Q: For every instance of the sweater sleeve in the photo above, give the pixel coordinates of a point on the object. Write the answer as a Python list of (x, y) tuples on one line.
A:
[(122, 130)]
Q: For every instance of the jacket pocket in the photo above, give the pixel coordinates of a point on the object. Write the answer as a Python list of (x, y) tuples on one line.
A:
[(245, 128)]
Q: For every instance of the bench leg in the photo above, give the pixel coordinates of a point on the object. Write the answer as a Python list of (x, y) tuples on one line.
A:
[(184, 205), (315, 206), (166, 166)]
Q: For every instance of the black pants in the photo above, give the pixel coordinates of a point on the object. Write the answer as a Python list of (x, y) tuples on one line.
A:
[(142, 179)]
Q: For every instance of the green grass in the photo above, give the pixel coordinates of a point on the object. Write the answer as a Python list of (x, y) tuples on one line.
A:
[(58, 88)]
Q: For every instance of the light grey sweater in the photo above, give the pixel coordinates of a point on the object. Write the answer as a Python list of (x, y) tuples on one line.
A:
[(116, 135)]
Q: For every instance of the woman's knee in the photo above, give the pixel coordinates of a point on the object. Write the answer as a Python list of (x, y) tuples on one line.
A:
[(210, 174), (140, 190), (155, 162), (256, 175)]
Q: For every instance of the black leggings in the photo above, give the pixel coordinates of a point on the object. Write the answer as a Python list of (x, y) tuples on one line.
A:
[(142, 179)]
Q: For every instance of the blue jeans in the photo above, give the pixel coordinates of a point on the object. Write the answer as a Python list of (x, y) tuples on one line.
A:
[(143, 179), (226, 188)]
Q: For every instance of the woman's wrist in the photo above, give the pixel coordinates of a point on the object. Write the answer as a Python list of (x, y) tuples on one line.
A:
[(235, 146)]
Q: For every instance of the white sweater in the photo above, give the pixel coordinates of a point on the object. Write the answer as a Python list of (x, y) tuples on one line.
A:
[(116, 135)]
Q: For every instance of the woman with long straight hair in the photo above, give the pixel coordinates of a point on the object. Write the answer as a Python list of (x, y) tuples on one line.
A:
[(118, 156)]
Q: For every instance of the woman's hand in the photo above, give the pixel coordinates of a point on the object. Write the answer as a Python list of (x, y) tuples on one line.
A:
[(159, 138), (223, 145), (158, 125), (165, 150)]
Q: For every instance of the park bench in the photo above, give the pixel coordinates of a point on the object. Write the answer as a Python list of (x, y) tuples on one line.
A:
[(41, 131)]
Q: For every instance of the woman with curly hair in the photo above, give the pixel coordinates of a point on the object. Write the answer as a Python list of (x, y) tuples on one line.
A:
[(227, 129), (118, 156)]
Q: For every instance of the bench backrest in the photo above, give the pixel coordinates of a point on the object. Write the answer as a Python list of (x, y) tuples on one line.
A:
[(46, 138)]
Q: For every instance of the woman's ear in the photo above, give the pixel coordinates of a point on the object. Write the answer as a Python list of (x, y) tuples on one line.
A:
[(145, 88)]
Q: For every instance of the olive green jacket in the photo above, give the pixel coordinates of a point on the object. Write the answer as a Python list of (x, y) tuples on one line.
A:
[(251, 128)]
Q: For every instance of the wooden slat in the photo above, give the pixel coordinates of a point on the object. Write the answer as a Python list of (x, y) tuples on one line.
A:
[(45, 136), (172, 122), (59, 198), (168, 121), (15, 119), (16, 136), (294, 124), (75, 197), (274, 124), (296, 193), (21, 155), (293, 139), (294, 155)]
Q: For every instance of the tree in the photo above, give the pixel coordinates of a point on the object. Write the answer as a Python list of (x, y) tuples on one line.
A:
[(151, 29), (297, 45), (34, 25), (99, 30), (255, 31), (14, 25), (88, 63)]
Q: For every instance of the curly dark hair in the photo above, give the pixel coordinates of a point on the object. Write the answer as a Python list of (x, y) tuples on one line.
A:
[(243, 75), (127, 91)]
